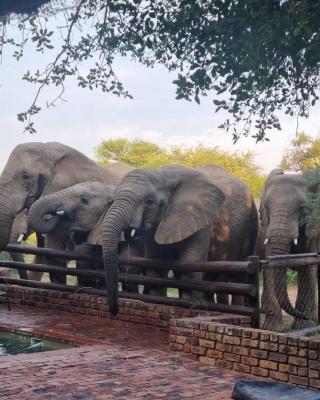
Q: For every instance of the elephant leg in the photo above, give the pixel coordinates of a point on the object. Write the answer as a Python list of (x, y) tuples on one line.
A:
[(195, 248), (306, 297), (51, 241), (151, 250), (126, 251), (155, 290), (18, 257), (265, 295), (273, 314), (221, 298), (34, 275), (88, 281), (238, 299)]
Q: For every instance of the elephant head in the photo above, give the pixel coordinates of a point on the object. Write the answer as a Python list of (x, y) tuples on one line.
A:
[(34, 169), (168, 204), (75, 210), (282, 214)]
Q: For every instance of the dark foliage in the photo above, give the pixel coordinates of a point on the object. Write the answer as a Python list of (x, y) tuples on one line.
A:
[(255, 58)]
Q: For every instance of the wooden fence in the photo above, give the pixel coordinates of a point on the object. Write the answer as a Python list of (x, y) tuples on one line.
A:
[(247, 271)]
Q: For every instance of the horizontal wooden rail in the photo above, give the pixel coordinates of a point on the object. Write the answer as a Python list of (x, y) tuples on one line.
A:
[(43, 251), (292, 263), (209, 266), (205, 286), (204, 266), (291, 256), (51, 268), (210, 306)]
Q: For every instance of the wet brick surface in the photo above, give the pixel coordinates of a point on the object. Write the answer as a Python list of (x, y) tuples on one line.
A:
[(116, 360)]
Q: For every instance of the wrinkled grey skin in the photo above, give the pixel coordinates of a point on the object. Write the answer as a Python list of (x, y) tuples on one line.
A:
[(78, 208), (83, 206), (77, 212), (35, 169), (19, 232), (185, 214), (282, 214)]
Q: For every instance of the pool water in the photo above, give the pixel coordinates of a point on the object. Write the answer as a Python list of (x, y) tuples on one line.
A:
[(16, 343)]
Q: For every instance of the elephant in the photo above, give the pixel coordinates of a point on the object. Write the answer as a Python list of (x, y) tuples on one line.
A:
[(77, 212), (285, 230), (35, 169), (184, 214)]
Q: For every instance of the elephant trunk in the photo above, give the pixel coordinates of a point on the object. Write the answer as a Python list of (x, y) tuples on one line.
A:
[(45, 213), (117, 219), (11, 203), (280, 244)]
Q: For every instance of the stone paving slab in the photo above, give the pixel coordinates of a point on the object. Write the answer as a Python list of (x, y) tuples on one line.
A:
[(115, 361)]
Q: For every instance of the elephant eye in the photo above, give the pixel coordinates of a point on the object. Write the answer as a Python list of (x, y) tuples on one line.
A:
[(149, 202), (25, 176), (84, 201)]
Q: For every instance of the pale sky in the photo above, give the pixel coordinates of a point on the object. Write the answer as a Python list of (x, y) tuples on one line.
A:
[(154, 114)]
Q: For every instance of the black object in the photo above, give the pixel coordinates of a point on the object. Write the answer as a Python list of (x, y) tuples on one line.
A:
[(20, 6), (268, 390)]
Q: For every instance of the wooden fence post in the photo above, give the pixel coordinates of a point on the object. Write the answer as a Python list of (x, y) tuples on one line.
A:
[(254, 279)]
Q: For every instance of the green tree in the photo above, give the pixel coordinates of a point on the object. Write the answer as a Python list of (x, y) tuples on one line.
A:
[(145, 154), (254, 57), (137, 153), (303, 153)]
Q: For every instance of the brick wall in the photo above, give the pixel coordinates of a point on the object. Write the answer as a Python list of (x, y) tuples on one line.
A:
[(224, 340), (253, 351), (129, 310)]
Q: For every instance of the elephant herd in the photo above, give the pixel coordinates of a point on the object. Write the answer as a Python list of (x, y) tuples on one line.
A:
[(172, 213)]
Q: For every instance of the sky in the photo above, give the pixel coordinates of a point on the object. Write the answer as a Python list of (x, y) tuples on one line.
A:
[(87, 118)]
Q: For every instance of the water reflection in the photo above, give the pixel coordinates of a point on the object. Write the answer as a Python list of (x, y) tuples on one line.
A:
[(16, 343)]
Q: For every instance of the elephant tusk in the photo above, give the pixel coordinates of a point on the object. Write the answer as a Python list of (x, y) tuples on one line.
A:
[(266, 241), (20, 238), (295, 241), (60, 212), (133, 232)]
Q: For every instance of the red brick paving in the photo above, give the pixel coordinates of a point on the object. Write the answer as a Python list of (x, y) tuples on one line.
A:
[(116, 361)]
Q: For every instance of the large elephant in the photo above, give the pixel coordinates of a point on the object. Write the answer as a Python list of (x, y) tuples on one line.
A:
[(185, 214), (285, 230), (77, 212), (35, 169)]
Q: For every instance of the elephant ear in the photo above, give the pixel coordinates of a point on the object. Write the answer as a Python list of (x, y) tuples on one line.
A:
[(273, 173), (70, 167), (194, 204)]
